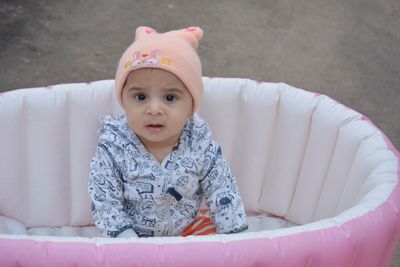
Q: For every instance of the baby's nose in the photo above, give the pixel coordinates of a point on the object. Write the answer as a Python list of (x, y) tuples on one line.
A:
[(155, 107)]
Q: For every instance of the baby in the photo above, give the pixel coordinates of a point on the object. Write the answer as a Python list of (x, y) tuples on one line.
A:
[(154, 165)]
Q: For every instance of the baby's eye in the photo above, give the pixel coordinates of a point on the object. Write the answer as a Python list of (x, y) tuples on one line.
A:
[(170, 98), (140, 97)]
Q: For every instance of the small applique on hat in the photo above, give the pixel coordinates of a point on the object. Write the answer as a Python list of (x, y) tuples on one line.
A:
[(140, 59)]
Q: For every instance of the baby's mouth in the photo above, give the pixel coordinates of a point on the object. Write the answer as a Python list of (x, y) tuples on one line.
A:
[(154, 126)]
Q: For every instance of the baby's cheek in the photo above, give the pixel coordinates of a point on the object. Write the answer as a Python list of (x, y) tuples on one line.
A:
[(183, 114), (133, 124)]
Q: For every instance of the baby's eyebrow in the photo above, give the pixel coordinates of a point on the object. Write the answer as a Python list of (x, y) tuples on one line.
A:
[(174, 90), (135, 89)]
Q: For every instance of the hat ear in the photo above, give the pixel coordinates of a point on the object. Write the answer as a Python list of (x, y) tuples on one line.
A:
[(192, 35), (144, 31)]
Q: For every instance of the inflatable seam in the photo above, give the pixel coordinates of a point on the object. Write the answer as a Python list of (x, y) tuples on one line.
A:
[(69, 157), (27, 179), (346, 122), (272, 137), (306, 143), (340, 199), (325, 177), (28, 157)]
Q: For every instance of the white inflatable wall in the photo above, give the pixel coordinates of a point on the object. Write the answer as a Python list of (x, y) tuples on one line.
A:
[(297, 155)]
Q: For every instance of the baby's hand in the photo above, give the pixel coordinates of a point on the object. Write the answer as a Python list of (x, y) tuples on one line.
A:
[(128, 233)]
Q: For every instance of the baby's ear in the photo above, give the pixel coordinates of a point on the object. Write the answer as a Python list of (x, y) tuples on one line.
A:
[(144, 31), (192, 35)]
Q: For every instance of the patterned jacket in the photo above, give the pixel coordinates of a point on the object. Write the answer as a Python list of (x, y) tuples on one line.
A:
[(129, 188)]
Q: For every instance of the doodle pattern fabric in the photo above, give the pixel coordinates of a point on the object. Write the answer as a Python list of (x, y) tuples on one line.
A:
[(129, 188)]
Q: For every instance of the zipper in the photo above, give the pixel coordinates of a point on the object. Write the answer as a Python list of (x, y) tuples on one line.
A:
[(168, 179), (168, 184), (170, 226)]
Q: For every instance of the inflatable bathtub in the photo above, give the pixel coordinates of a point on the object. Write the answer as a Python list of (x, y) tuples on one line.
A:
[(319, 181)]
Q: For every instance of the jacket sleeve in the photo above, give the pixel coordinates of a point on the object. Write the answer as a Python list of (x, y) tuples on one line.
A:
[(106, 192), (221, 192)]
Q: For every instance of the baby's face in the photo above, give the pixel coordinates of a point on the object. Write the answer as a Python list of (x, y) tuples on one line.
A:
[(157, 106)]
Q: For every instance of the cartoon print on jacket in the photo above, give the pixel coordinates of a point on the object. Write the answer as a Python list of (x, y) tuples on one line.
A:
[(130, 189)]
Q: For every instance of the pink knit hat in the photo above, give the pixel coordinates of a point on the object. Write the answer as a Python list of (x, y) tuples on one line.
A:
[(173, 51)]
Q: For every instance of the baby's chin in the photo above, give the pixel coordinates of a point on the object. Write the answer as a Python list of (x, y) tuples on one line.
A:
[(159, 138)]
